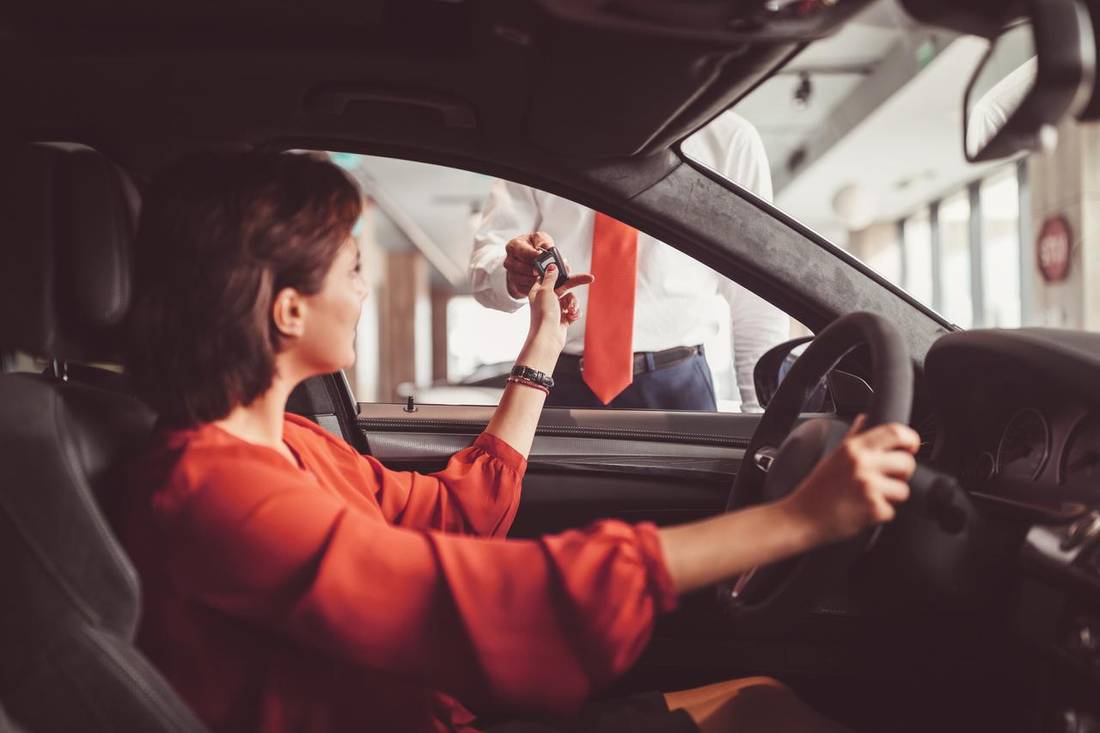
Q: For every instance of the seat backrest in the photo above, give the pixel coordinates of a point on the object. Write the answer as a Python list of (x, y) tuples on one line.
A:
[(72, 598)]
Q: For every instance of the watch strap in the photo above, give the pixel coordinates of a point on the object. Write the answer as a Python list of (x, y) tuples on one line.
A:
[(520, 371)]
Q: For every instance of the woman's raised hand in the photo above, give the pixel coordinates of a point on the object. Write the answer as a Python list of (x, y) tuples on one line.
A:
[(552, 310)]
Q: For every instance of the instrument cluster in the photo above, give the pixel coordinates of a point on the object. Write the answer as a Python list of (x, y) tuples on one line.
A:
[(1060, 447)]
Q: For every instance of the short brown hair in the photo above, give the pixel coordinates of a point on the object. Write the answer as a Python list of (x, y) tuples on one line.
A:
[(220, 234)]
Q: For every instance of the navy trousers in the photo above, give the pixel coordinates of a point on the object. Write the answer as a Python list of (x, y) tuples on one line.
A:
[(685, 385)]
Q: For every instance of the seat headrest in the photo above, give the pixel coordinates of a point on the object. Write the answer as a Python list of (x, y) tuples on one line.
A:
[(67, 221)]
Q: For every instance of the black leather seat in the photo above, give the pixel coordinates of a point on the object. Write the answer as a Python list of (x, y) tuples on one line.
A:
[(71, 597)]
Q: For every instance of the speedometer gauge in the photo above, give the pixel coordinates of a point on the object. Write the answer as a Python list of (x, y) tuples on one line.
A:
[(1081, 458), (1024, 446)]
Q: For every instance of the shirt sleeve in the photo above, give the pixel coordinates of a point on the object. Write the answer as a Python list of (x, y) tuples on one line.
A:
[(746, 161), (510, 210), (478, 492), (512, 625), (732, 146), (755, 326)]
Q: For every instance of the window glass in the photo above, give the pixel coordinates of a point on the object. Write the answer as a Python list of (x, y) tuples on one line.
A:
[(863, 129), (879, 246), (1000, 197), (444, 325), (954, 221), (917, 233)]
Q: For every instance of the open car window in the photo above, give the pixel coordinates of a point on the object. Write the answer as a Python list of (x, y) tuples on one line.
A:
[(862, 134), (441, 326)]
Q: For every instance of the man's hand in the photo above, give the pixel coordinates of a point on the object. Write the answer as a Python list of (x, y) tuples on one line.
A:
[(519, 261)]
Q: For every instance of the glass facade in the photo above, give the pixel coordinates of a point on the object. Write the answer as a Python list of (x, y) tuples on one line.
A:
[(1000, 204), (954, 236), (960, 255), (916, 242)]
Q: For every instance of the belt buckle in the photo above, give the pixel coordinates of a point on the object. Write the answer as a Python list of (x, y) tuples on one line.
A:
[(581, 364)]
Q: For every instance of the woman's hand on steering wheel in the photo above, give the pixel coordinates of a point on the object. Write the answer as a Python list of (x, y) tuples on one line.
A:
[(857, 485)]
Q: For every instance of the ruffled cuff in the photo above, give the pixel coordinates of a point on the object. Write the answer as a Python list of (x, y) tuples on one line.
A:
[(496, 448), (660, 580)]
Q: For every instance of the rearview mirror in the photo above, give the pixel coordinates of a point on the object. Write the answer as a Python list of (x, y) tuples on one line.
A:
[(1035, 72)]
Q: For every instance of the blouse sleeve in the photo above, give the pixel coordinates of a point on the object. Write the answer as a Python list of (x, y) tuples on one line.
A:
[(521, 625), (477, 493)]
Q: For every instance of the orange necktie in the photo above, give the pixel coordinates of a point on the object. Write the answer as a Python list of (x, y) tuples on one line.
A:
[(609, 327)]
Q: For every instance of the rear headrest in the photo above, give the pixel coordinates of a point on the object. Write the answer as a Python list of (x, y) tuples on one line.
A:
[(67, 221)]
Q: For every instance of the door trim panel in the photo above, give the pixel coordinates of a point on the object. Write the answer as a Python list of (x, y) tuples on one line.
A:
[(722, 429)]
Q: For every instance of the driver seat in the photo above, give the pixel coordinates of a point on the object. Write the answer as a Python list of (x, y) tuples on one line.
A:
[(71, 606)]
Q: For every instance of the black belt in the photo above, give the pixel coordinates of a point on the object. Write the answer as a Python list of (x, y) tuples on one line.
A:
[(644, 361)]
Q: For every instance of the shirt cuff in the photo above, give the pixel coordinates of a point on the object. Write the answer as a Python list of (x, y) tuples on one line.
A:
[(660, 580), (498, 449)]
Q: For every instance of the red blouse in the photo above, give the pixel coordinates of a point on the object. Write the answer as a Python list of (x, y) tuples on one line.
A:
[(343, 596)]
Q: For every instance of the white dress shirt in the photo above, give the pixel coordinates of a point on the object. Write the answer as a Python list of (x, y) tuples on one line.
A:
[(675, 297)]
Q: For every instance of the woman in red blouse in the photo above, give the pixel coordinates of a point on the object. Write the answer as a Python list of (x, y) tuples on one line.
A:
[(294, 585)]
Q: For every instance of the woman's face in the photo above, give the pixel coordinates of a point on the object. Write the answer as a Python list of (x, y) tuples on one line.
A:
[(327, 342)]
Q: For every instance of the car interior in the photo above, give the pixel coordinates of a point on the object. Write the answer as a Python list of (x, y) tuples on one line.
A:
[(977, 610)]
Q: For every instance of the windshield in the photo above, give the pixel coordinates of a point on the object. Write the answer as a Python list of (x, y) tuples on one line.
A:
[(863, 136)]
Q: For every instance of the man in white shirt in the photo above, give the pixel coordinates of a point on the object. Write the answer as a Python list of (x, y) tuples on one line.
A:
[(638, 343)]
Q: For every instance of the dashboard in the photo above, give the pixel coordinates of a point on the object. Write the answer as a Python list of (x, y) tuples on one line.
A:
[(1018, 416)]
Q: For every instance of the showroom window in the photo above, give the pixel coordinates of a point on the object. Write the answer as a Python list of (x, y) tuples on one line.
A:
[(917, 255), (440, 325), (975, 229), (1000, 212), (954, 233)]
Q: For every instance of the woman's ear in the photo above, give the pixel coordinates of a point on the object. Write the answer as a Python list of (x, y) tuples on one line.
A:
[(288, 312)]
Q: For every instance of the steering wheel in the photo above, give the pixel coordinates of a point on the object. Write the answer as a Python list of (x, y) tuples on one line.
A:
[(780, 456)]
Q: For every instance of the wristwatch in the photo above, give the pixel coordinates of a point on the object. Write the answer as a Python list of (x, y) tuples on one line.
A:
[(532, 375)]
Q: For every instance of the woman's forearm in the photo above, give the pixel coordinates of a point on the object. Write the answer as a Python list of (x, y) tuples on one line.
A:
[(854, 487), (711, 550), (517, 416)]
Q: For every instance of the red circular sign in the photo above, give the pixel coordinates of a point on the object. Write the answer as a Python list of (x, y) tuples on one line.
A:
[(1052, 249)]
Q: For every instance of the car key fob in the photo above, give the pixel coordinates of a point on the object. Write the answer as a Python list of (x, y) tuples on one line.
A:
[(552, 257)]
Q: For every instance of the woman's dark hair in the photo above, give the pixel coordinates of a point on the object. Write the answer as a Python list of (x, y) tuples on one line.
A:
[(220, 234)]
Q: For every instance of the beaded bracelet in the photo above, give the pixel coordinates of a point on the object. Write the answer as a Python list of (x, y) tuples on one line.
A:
[(529, 383)]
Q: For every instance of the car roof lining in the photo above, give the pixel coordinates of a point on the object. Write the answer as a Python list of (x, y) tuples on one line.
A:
[(584, 80), (549, 75), (510, 89)]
